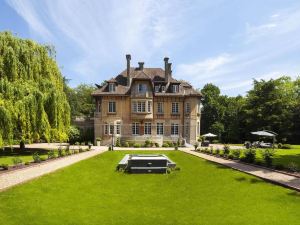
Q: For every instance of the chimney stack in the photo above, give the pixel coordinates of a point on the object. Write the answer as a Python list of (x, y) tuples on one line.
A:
[(128, 58), (167, 69), (141, 65)]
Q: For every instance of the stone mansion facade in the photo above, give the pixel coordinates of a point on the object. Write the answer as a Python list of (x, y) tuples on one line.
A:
[(146, 103)]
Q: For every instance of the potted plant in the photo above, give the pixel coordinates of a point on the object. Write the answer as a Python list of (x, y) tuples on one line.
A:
[(98, 140)]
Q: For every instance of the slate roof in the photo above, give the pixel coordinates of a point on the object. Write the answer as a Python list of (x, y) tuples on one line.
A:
[(155, 75)]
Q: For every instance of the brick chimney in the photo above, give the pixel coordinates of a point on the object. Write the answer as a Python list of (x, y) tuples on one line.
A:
[(167, 69), (128, 58), (141, 65)]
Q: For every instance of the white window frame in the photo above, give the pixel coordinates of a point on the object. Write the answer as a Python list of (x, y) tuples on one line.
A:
[(175, 88), (118, 127), (111, 128), (159, 128), (187, 107), (134, 106), (175, 108), (112, 87), (106, 128), (147, 128), (135, 128), (149, 107), (174, 129), (163, 88), (160, 107), (112, 107), (156, 88)]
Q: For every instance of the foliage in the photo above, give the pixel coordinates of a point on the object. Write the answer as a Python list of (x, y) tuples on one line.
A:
[(80, 99), (226, 149), (118, 143), (74, 134), (236, 153), (286, 146), (17, 161), (51, 154), (137, 145), (4, 166), (249, 155), (292, 167), (268, 155), (36, 157), (33, 104)]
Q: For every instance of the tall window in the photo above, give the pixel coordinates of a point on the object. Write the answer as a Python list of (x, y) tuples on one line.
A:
[(187, 129), (175, 88), (187, 107), (142, 88), (149, 106), (111, 128), (163, 88), (174, 129), (134, 106), (160, 107), (198, 128), (118, 128), (141, 106), (112, 87), (175, 107), (160, 129), (147, 129), (106, 128), (156, 88), (135, 128), (112, 107)]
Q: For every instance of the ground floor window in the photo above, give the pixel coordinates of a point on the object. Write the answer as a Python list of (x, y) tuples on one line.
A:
[(174, 129), (118, 128), (160, 129), (135, 128), (147, 129)]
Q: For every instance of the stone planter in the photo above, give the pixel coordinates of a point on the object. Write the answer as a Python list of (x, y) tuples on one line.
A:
[(98, 143)]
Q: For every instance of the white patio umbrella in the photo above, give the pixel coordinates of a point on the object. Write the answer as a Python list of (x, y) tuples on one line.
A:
[(209, 135)]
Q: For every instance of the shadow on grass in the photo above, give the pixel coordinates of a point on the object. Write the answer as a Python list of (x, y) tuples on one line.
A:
[(250, 180), (18, 152)]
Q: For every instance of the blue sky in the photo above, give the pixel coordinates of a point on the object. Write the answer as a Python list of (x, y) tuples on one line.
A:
[(228, 43)]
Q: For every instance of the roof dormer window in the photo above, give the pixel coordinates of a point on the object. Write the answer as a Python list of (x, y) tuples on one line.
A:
[(163, 88), (156, 88), (175, 88), (112, 87)]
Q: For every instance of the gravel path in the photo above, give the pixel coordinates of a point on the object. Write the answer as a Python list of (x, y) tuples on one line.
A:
[(269, 175), (20, 176)]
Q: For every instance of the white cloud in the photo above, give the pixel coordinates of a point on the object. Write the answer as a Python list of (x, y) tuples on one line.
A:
[(104, 30), (29, 14), (204, 67)]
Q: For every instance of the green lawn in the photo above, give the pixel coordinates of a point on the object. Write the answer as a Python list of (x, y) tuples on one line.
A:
[(91, 192), (25, 155)]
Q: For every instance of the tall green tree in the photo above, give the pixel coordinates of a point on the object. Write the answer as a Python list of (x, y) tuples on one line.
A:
[(33, 104)]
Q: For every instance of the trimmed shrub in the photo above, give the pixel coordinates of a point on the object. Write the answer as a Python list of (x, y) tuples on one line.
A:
[(226, 149), (217, 151), (250, 155), (268, 155), (36, 157), (17, 161), (236, 153), (148, 143), (43, 159), (51, 154), (27, 163), (215, 141), (279, 145), (170, 144), (292, 167), (137, 145), (67, 150), (165, 145), (126, 144), (230, 156), (156, 145)]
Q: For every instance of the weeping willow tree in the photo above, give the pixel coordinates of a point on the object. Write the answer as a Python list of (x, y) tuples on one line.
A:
[(33, 104)]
